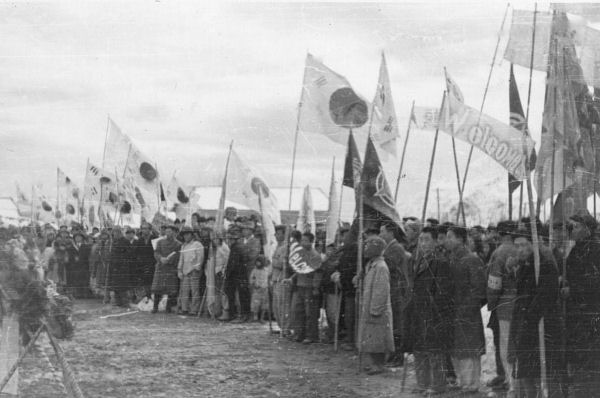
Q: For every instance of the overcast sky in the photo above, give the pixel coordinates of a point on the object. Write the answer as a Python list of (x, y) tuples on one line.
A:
[(185, 78)]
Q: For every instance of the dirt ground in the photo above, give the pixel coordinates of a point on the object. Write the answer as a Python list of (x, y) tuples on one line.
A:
[(166, 355)]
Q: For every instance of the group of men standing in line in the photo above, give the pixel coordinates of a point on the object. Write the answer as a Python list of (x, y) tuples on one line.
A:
[(421, 289), (422, 292)]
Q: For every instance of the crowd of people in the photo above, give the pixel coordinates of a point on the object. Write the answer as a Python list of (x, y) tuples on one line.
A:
[(418, 289)]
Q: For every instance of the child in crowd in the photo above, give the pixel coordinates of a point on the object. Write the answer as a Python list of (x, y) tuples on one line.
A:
[(259, 282)]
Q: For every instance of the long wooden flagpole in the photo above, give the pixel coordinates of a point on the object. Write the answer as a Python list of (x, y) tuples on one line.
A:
[(412, 108), (487, 85), (534, 231), (510, 201), (461, 209), (221, 211), (564, 222), (57, 195), (435, 140), (359, 267), (296, 138)]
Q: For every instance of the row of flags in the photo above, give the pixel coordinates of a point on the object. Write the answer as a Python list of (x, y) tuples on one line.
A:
[(129, 182)]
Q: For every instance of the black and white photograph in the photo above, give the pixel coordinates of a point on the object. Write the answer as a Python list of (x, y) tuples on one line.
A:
[(299, 199)]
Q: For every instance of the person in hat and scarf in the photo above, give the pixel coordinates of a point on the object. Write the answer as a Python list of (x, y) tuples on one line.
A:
[(375, 328)]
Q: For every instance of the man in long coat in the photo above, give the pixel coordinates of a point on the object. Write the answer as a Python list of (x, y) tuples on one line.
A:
[(78, 267), (165, 275), (583, 291), (467, 273), (236, 279), (121, 266), (397, 260), (375, 322), (534, 301), (145, 260), (431, 326)]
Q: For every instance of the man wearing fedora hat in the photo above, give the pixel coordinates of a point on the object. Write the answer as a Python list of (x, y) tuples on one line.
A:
[(581, 289), (189, 269)]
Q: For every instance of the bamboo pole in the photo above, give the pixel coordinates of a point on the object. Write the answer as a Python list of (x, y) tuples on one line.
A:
[(435, 140), (521, 201), (487, 85), (221, 211), (510, 201), (461, 209), (57, 195), (534, 231), (439, 217), (296, 139), (284, 320), (359, 266), (32, 207), (412, 108)]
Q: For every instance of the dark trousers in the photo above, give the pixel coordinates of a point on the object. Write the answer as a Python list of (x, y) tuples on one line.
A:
[(240, 284), (305, 310), (494, 325), (349, 317)]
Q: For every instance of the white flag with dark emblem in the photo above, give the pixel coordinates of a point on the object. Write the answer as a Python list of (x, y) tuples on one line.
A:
[(329, 105), (116, 150), (181, 197), (142, 175), (42, 209), (384, 124), (243, 185), (68, 198), (100, 185)]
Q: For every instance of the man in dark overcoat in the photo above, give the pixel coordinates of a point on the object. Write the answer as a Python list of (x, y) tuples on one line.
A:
[(397, 260), (582, 290), (431, 325)]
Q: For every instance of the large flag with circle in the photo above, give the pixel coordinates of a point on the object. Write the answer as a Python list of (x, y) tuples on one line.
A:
[(329, 105)]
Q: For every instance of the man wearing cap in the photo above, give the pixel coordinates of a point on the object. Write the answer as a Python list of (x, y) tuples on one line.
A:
[(412, 226), (165, 275), (375, 321), (468, 281), (396, 259), (501, 294), (582, 290), (236, 280), (306, 292), (431, 323), (249, 245), (536, 298), (189, 269), (78, 268)]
